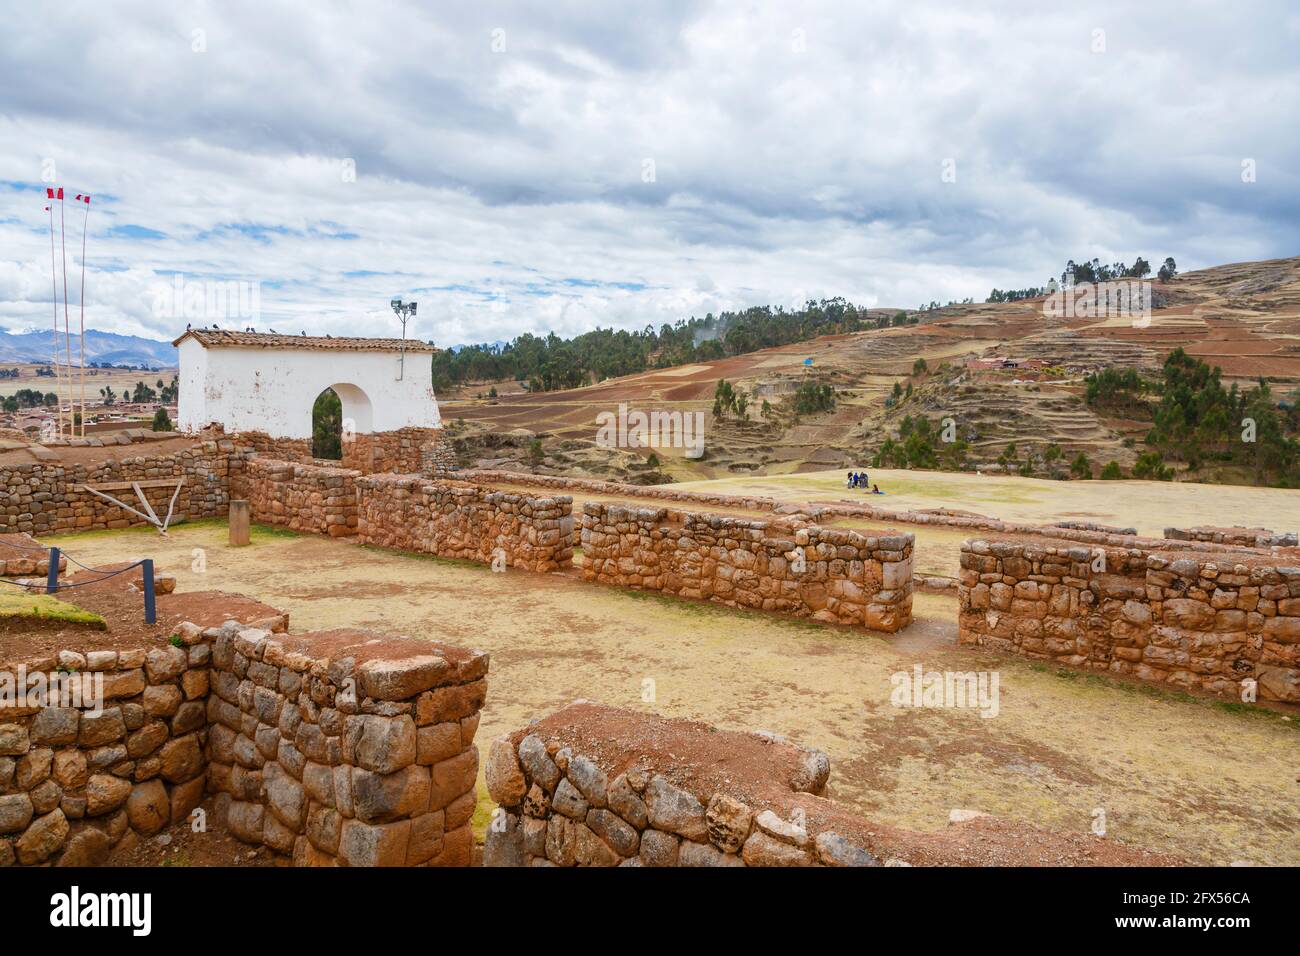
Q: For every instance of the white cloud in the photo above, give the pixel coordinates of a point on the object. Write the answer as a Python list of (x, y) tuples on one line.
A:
[(797, 152)]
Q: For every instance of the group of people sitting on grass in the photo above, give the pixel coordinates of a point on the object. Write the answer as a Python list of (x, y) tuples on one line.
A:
[(859, 479)]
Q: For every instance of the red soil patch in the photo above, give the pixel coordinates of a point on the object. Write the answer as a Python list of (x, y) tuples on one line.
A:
[(120, 602)]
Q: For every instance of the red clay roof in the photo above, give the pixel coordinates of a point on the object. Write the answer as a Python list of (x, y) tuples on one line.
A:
[(229, 338)]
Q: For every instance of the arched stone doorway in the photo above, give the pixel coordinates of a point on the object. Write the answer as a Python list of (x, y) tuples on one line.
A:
[(339, 413)]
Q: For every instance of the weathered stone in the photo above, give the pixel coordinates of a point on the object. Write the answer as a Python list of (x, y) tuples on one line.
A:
[(504, 842), (165, 663), (834, 850), (181, 759), (728, 822), (403, 679), (763, 850), (537, 763), (784, 830), (568, 801), (42, 838), (148, 807), (624, 801), (705, 854), (673, 809), (86, 847), (15, 812), (98, 729), (382, 798), (505, 778), (54, 726), (384, 844), (589, 779), (813, 772), (105, 793), (611, 828), (381, 744), (561, 841), (658, 848)]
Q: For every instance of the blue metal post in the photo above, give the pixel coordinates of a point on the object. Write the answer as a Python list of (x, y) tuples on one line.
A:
[(52, 577), (150, 610)]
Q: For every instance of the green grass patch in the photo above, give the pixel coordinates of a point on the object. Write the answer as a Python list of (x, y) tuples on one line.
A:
[(46, 608), (482, 819)]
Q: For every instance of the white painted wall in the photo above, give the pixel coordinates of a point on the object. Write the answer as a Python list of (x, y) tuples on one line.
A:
[(272, 390)]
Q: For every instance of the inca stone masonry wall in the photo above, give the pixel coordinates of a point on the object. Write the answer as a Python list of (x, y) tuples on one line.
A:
[(46, 497), (341, 747), (574, 798), (465, 521), (1197, 620), (344, 748), (834, 576), (307, 498)]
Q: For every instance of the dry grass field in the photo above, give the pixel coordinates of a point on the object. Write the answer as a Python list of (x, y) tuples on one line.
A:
[(1210, 782)]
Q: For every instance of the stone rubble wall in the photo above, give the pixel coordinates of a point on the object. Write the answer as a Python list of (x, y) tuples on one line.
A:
[(563, 807), (75, 785), (306, 752), (1085, 532), (45, 497), (847, 577), (406, 451), (455, 520), (333, 762), (1198, 621), (307, 498), (1242, 537)]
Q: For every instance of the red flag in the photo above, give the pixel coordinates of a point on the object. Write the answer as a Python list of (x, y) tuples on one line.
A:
[(85, 199), (49, 192), (60, 196)]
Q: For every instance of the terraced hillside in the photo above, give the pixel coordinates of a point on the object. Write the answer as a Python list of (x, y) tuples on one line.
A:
[(1243, 317)]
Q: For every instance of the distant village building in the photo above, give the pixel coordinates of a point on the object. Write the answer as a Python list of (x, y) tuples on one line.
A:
[(257, 381)]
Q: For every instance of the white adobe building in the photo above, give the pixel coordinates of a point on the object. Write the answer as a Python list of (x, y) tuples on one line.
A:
[(258, 381)]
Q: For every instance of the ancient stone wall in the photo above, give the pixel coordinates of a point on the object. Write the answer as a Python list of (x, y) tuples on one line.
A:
[(77, 781), (835, 576), (306, 498), (339, 747), (597, 786), (1197, 620), (407, 451), (455, 520), (1242, 537), (346, 748), (47, 497)]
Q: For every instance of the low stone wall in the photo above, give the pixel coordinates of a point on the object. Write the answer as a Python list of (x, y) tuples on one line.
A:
[(342, 747), (1242, 537), (47, 497), (406, 451), (77, 781), (830, 575), (454, 520), (307, 498), (597, 786), (1203, 621), (346, 748)]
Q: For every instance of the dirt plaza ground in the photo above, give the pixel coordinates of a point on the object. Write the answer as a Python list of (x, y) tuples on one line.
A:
[(1207, 781)]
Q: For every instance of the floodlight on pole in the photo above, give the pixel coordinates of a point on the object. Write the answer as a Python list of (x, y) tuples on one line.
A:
[(405, 312)]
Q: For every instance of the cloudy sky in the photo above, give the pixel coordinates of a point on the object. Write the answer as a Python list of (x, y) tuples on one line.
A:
[(534, 167)]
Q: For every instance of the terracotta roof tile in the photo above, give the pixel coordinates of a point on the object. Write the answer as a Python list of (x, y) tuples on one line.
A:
[(229, 338)]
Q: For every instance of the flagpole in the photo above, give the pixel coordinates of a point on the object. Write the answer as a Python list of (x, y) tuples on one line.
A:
[(67, 325), (54, 342), (84, 225)]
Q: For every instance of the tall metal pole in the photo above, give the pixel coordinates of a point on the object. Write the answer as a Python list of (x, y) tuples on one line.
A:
[(84, 224), (67, 324), (54, 342)]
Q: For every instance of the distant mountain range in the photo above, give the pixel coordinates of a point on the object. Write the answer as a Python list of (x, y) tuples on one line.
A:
[(101, 347)]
